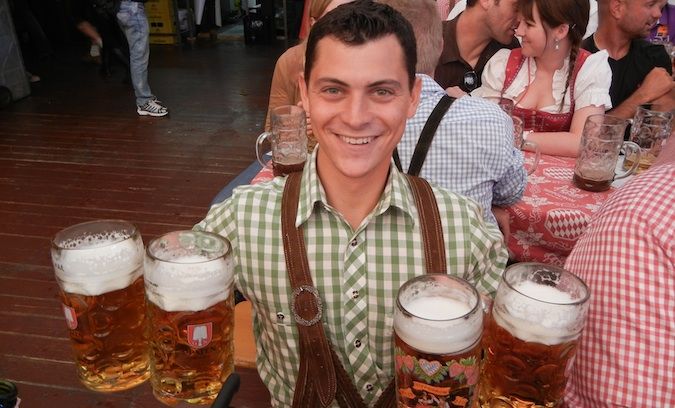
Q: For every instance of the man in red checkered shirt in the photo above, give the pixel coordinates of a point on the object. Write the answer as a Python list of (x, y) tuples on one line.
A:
[(626, 357)]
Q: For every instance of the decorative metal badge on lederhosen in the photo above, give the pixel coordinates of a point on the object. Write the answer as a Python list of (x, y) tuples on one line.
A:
[(321, 377)]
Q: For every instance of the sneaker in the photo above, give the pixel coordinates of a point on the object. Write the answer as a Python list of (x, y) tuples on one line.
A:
[(152, 108)]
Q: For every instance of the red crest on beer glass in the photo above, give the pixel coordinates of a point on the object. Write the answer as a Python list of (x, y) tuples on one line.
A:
[(71, 316), (199, 335)]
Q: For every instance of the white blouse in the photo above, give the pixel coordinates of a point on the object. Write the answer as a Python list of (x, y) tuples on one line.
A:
[(591, 86)]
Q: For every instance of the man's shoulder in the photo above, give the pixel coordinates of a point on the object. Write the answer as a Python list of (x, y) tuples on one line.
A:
[(655, 54)]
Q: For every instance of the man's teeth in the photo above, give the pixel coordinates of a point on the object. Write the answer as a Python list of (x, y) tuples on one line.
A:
[(357, 141)]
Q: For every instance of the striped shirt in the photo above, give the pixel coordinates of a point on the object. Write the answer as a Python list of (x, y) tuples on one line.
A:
[(626, 356), (357, 272), (472, 153)]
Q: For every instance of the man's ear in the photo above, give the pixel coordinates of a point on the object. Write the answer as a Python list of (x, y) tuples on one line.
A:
[(485, 4), (616, 8), (415, 100), (303, 91)]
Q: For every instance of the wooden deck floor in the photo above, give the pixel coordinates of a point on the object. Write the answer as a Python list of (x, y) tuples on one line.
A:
[(76, 151)]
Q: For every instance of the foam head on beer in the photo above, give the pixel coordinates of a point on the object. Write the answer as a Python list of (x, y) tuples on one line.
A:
[(441, 322), (190, 274), (539, 313), (94, 264)]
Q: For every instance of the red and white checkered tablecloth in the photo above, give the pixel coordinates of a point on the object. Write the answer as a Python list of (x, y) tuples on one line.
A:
[(553, 213)]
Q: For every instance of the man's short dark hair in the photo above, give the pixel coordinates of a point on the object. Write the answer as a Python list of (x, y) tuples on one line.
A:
[(361, 21)]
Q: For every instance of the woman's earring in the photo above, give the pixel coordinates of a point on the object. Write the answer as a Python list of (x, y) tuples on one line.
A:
[(556, 44)]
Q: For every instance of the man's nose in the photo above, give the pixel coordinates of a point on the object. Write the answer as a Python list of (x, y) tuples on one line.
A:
[(357, 112)]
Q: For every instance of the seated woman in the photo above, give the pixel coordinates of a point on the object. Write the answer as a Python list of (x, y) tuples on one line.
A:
[(554, 84), (284, 89)]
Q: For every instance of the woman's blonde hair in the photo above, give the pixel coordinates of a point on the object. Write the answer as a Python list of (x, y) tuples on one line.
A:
[(317, 8)]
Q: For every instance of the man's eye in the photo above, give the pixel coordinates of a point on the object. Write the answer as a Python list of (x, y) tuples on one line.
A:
[(383, 92), (331, 91)]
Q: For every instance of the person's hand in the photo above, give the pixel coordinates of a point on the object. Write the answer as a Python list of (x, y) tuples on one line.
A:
[(455, 92), (656, 84), (502, 217)]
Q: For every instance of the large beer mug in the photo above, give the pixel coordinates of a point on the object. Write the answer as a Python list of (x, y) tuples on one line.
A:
[(601, 142), (189, 279), (531, 336), (99, 269), (649, 130), (288, 138), (438, 322)]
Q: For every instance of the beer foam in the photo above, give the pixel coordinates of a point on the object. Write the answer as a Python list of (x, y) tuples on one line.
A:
[(544, 315), (436, 327), (98, 263), (188, 283)]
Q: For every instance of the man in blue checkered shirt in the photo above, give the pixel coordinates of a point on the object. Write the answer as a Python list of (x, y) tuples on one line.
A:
[(472, 153)]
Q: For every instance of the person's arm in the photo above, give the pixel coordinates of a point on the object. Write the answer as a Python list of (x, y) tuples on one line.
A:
[(655, 85), (565, 143), (284, 81)]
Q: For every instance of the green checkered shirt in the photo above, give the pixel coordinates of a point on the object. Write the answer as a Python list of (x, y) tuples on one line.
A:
[(357, 272)]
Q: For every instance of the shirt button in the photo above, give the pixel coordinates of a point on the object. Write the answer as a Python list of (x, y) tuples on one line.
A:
[(357, 343), (355, 294), (354, 242), (369, 387)]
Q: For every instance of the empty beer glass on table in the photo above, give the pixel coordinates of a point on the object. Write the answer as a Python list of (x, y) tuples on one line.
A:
[(288, 139), (522, 144), (649, 130), (531, 337), (189, 280), (99, 269), (438, 322), (601, 142)]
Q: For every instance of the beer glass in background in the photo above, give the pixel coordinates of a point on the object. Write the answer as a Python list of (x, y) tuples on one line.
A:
[(99, 269), (438, 321), (523, 144), (649, 130), (288, 138), (531, 336), (189, 280), (601, 142)]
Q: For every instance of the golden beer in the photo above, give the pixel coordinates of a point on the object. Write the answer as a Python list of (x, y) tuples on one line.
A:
[(98, 266), (531, 337), (437, 329), (189, 288)]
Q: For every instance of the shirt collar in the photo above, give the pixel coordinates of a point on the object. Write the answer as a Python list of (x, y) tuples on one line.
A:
[(429, 85), (396, 194)]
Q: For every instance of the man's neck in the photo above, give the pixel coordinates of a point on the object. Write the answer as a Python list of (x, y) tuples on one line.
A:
[(353, 198), (473, 38), (615, 41)]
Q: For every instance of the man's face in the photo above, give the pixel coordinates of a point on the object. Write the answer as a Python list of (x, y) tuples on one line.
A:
[(358, 99), (637, 17), (502, 18)]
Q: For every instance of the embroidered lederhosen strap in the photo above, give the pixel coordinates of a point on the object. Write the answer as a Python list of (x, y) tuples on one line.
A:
[(321, 376), (427, 135), (549, 122)]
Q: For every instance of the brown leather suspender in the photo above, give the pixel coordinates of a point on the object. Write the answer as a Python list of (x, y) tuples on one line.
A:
[(321, 376)]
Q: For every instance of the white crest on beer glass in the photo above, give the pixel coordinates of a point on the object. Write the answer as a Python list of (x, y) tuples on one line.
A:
[(553, 319), (98, 263), (438, 328), (188, 283)]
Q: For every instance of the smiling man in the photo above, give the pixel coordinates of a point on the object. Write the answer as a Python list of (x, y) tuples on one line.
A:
[(360, 227)]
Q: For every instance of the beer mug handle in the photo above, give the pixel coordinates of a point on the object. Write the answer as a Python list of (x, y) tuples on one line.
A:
[(263, 136), (531, 146), (634, 149)]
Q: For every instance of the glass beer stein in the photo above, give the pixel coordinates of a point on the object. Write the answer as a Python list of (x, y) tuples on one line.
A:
[(288, 138), (649, 130), (438, 321), (99, 269), (189, 277), (601, 142), (531, 337)]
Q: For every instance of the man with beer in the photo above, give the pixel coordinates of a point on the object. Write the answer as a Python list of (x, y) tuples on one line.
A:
[(627, 257), (357, 219)]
